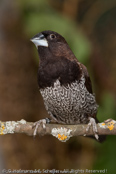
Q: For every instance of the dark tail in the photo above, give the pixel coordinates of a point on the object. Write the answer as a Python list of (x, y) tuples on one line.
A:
[(102, 138)]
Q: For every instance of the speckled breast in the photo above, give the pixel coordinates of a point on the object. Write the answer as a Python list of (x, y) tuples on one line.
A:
[(70, 104)]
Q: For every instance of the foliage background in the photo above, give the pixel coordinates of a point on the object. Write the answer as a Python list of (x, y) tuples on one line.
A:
[(90, 29)]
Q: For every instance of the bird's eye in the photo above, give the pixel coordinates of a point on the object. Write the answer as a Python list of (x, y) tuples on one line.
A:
[(52, 36)]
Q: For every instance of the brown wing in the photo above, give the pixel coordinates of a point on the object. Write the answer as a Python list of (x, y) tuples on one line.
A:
[(87, 79)]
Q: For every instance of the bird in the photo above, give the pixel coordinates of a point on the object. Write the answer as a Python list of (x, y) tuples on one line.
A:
[(64, 83)]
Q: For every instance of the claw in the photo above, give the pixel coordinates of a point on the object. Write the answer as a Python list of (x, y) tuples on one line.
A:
[(42, 122), (92, 123)]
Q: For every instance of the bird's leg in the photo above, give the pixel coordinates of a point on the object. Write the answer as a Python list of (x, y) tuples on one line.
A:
[(92, 123), (42, 122)]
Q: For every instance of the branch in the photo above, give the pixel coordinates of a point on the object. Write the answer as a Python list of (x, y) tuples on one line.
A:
[(62, 132)]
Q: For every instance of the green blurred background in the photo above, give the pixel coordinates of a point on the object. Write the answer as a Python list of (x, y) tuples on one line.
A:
[(89, 27)]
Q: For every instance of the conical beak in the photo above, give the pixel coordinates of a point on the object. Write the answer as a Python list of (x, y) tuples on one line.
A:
[(39, 40)]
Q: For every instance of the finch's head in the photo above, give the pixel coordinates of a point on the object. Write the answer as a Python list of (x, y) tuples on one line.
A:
[(52, 42), (47, 39)]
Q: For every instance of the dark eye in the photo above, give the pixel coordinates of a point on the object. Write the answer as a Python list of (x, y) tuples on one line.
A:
[(52, 36)]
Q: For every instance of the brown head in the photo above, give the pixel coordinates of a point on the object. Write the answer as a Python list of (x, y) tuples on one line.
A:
[(52, 44)]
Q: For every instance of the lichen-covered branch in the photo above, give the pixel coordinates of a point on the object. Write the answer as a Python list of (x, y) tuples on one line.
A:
[(62, 132)]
